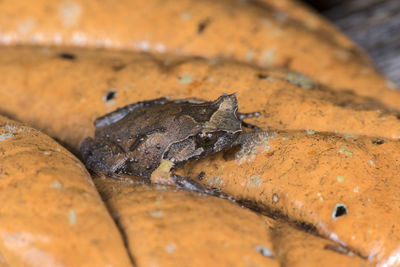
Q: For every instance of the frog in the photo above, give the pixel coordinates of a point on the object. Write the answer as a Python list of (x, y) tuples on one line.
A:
[(136, 139)]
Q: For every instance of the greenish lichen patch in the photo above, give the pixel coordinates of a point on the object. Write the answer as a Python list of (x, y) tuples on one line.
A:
[(268, 57), (170, 248), (347, 135), (340, 178), (157, 214), (249, 55), (255, 180), (344, 150), (300, 79), (57, 185), (72, 218), (185, 79), (215, 181), (311, 132), (254, 145)]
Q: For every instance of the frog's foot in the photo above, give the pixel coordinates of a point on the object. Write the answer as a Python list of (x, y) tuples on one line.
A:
[(243, 116), (188, 183)]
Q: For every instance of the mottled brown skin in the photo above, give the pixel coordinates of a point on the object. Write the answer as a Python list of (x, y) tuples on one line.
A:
[(134, 139)]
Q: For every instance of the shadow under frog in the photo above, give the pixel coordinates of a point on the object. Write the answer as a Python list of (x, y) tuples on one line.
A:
[(136, 139)]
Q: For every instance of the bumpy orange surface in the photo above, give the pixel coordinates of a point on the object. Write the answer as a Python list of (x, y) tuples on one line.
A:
[(51, 213), (258, 32), (316, 185)]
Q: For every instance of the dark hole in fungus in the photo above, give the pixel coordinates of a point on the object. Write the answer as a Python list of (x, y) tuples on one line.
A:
[(378, 142), (67, 56), (398, 116), (201, 175), (110, 95), (262, 76), (202, 26), (118, 67), (340, 210)]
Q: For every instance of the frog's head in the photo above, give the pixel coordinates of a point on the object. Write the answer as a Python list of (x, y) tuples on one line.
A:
[(222, 128)]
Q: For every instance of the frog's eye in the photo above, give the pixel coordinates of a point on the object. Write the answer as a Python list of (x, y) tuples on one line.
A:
[(206, 139)]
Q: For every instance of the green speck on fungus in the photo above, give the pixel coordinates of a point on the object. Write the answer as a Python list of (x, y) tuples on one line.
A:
[(310, 131), (300, 79), (215, 181), (185, 79), (255, 180), (340, 178), (57, 185), (157, 214), (72, 217), (345, 151)]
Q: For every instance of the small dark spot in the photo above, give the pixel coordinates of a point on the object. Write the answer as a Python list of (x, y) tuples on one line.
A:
[(338, 249), (118, 67), (110, 95), (378, 142), (339, 210), (262, 76), (398, 116), (202, 26), (67, 56), (201, 175)]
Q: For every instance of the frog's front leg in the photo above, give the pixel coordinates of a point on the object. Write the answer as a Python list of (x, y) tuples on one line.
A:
[(164, 175), (242, 116), (188, 183)]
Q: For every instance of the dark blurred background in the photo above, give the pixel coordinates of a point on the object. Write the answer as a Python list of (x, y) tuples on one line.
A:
[(373, 24)]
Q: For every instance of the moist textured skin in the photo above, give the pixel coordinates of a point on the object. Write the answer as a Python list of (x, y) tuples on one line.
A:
[(134, 139)]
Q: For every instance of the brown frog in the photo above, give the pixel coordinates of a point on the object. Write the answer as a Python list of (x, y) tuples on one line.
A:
[(135, 139)]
